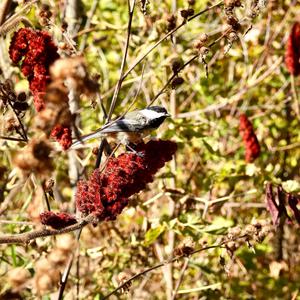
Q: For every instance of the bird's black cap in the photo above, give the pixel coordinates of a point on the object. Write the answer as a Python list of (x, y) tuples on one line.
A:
[(158, 109)]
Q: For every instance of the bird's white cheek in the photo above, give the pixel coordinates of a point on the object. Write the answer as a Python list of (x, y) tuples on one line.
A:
[(151, 114)]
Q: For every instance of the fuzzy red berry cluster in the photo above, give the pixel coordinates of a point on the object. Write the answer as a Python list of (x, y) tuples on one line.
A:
[(106, 193), (57, 220), (292, 54), (38, 52), (249, 137), (63, 135)]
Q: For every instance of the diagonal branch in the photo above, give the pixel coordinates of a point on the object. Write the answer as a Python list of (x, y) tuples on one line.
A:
[(131, 5), (151, 48), (182, 67), (25, 238), (169, 261)]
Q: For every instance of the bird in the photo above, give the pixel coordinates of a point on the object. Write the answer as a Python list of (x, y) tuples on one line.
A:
[(130, 128)]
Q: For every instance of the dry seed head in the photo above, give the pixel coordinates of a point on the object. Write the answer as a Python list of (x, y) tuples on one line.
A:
[(186, 247), (22, 97), (121, 279), (176, 82), (186, 13), (49, 184), (198, 44), (11, 124), (250, 230), (232, 3), (232, 36), (17, 277), (232, 246), (191, 2), (176, 64), (256, 224), (203, 51), (203, 37), (234, 232), (171, 19), (233, 22), (20, 106), (261, 236)]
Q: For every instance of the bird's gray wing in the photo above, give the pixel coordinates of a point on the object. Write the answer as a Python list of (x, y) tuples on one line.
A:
[(124, 125)]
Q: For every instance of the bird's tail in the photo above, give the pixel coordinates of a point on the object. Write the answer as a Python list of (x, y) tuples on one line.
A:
[(80, 143)]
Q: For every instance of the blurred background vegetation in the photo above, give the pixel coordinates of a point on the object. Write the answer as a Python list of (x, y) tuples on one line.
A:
[(206, 190)]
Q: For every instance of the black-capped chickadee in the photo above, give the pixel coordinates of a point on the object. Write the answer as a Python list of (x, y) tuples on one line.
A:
[(131, 128)]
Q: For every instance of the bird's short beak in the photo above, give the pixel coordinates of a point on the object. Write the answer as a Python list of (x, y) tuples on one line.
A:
[(168, 115)]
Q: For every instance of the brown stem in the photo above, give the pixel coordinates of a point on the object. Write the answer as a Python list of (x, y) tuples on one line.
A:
[(67, 270), (151, 48), (9, 138), (4, 8), (178, 283), (171, 79), (23, 133), (119, 83), (182, 67), (141, 58), (25, 238), (169, 261)]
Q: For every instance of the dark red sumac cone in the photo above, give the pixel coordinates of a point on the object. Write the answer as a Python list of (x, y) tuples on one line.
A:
[(292, 53), (106, 193), (63, 134), (251, 143), (37, 51), (57, 220)]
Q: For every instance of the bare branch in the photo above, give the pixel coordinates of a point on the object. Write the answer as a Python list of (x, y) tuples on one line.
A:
[(150, 49), (169, 261), (119, 83), (25, 238)]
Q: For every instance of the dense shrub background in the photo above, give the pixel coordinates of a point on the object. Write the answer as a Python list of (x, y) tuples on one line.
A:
[(207, 189)]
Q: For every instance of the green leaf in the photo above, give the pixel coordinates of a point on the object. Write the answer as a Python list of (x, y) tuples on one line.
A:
[(152, 234), (218, 226), (291, 186), (208, 146)]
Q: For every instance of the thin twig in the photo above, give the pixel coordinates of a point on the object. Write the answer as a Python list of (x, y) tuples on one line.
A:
[(235, 98), (295, 96), (65, 276), (119, 83), (10, 138), (178, 283), (23, 134), (25, 238), (4, 10), (169, 261), (68, 267), (46, 197), (182, 67), (171, 79), (15, 19), (88, 24), (151, 48)]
